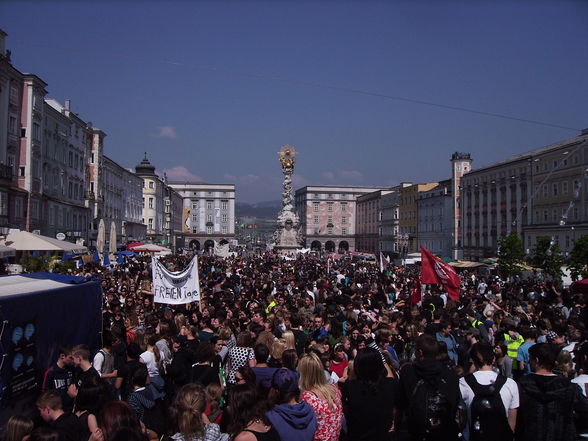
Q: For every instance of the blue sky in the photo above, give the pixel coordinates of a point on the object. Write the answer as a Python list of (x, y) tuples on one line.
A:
[(212, 90)]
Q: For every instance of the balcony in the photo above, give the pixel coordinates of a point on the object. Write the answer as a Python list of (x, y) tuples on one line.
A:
[(6, 172)]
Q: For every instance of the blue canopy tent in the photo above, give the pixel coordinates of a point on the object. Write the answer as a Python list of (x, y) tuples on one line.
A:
[(125, 253)]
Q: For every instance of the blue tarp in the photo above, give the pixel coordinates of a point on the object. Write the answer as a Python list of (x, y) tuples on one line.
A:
[(69, 313), (125, 253)]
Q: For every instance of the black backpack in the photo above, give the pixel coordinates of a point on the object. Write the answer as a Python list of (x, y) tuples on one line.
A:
[(488, 421), (430, 413)]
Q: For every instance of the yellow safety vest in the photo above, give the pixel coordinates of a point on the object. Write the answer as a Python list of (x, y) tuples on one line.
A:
[(512, 348)]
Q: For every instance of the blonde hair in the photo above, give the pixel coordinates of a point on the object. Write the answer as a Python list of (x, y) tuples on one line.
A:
[(288, 337), (277, 349), (187, 409), (312, 379), (266, 337)]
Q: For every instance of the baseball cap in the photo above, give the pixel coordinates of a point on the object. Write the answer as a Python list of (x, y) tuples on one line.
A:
[(551, 336)]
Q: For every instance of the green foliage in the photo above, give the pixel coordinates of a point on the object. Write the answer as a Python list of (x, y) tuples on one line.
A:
[(578, 262), (511, 254), (32, 264), (547, 256)]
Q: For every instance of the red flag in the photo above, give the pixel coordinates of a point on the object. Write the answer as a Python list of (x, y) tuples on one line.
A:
[(415, 295), (434, 270)]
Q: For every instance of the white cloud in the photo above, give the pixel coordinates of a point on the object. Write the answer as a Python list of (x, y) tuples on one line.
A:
[(228, 177), (166, 132), (181, 173), (328, 175), (352, 175)]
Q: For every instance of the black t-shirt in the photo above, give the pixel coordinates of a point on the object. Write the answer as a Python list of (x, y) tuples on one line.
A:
[(126, 373), (68, 427), (369, 410), (83, 377), (204, 374)]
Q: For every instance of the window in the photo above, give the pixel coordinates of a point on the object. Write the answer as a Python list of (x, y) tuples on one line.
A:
[(224, 217), (209, 205), (71, 161), (564, 187), (329, 206), (224, 205), (18, 212), (36, 132), (344, 231), (545, 191), (224, 229), (209, 218), (209, 229), (554, 189), (194, 218), (343, 220), (150, 184), (150, 202), (545, 215), (194, 205), (315, 206), (344, 207), (316, 220), (12, 125), (3, 203), (554, 215), (151, 223), (330, 230)]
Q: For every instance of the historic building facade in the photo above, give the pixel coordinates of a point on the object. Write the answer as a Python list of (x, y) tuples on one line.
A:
[(408, 215), (208, 214), (436, 219), (64, 171), (328, 215), (537, 193), (368, 225)]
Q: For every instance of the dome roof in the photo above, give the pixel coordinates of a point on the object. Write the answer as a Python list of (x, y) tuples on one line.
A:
[(145, 168)]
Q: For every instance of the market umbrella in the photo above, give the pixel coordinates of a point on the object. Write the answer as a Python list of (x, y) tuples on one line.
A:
[(101, 237), (112, 245), (7, 251), (25, 241), (106, 260)]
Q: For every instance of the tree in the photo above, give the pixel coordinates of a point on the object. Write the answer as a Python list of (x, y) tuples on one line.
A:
[(547, 256), (511, 254), (579, 259)]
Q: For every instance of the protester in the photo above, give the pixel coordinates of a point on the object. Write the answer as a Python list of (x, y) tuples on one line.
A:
[(333, 309)]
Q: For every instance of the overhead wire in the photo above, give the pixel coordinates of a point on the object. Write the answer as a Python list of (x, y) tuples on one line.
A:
[(314, 84)]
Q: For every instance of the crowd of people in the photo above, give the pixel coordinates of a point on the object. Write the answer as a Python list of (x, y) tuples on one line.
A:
[(317, 349)]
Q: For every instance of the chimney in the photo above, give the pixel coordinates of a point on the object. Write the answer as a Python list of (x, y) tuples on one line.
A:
[(67, 105), (2, 43)]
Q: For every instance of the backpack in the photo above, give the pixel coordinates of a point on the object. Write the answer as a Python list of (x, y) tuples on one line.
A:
[(430, 412), (488, 420)]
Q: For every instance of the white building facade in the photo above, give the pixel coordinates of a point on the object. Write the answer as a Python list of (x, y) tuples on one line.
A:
[(208, 216)]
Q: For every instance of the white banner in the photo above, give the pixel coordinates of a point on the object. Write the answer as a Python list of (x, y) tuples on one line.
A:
[(175, 288)]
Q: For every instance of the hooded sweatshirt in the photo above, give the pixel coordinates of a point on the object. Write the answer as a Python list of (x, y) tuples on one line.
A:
[(547, 408), (294, 422)]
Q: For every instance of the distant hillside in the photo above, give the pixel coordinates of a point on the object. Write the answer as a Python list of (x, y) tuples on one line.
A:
[(261, 210)]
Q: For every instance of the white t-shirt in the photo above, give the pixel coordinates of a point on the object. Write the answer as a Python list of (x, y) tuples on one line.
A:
[(509, 392), (582, 381), (149, 360)]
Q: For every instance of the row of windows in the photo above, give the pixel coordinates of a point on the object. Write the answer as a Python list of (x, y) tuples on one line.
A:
[(316, 220), (224, 205), (209, 218), (330, 206), (210, 229)]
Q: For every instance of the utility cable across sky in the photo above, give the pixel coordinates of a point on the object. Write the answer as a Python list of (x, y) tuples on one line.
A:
[(314, 84)]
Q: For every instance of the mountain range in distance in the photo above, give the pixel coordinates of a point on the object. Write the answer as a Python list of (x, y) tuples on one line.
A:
[(260, 210)]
